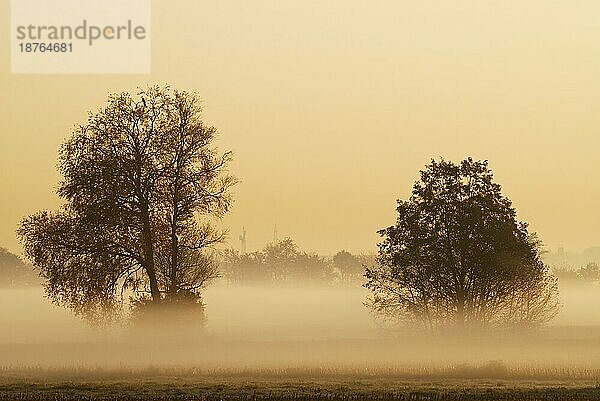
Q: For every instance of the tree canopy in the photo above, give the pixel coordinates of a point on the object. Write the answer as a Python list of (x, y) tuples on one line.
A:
[(458, 256), (350, 267), (137, 178)]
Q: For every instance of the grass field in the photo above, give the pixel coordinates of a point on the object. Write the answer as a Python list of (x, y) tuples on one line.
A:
[(459, 383), (295, 352)]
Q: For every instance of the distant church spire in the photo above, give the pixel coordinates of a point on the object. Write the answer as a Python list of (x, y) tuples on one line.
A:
[(275, 235)]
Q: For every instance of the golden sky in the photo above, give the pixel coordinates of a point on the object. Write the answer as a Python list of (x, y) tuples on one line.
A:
[(332, 107)]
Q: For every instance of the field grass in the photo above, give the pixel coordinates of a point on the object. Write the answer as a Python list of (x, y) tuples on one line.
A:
[(489, 382)]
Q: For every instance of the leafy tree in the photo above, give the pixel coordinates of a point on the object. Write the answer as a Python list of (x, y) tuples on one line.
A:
[(457, 256), (311, 268), (349, 266), (281, 257), (136, 177), (248, 268)]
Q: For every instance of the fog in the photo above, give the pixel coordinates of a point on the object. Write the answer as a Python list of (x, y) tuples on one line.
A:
[(284, 327)]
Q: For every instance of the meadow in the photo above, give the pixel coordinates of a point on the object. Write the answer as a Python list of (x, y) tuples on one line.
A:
[(492, 381), (291, 344)]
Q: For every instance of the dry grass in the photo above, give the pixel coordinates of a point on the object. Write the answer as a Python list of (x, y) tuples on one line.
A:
[(490, 381)]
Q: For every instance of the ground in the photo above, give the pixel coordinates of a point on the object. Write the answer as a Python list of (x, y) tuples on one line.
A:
[(124, 385)]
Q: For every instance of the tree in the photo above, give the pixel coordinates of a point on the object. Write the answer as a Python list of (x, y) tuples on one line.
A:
[(457, 256), (311, 268), (280, 257), (349, 266), (590, 272), (136, 178), (247, 268)]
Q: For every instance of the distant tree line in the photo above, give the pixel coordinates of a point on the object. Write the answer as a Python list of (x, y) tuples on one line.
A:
[(572, 260), (14, 272), (142, 181), (284, 262), (590, 273)]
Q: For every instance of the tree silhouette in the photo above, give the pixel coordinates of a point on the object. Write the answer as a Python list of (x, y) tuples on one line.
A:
[(349, 266), (136, 178), (458, 256), (280, 262)]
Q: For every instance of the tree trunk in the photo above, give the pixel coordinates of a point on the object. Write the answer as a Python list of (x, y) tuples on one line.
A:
[(149, 256), (174, 255), (460, 310), (154, 291), (174, 286)]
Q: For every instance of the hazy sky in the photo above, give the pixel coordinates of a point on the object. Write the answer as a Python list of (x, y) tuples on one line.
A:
[(332, 107)]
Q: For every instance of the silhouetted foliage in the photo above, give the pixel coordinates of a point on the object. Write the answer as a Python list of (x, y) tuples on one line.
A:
[(457, 256), (589, 273), (279, 262), (350, 268), (136, 178), (245, 268)]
